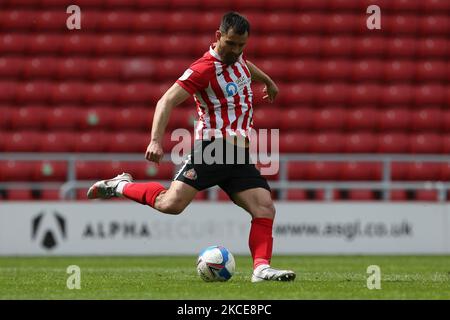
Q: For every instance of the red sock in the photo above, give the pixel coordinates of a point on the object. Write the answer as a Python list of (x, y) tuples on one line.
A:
[(144, 193), (260, 241)]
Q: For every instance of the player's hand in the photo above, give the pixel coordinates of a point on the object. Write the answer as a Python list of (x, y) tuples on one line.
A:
[(270, 91), (154, 152)]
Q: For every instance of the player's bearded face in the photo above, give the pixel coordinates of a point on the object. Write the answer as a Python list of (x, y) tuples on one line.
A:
[(231, 45)]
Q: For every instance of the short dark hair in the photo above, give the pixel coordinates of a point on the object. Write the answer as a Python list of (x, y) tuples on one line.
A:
[(235, 21)]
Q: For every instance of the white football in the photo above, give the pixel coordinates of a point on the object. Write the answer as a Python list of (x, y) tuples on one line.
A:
[(215, 263)]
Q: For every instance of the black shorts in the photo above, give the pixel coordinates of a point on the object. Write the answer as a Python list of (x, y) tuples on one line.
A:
[(221, 163)]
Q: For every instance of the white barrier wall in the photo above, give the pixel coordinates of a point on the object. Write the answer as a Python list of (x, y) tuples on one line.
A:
[(121, 228)]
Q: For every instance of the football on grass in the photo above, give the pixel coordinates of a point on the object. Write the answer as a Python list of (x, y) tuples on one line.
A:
[(215, 263)]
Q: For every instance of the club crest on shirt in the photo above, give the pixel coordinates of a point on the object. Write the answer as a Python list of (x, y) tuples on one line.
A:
[(190, 174), (231, 89)]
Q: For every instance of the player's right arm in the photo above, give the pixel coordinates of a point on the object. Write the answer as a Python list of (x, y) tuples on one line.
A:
[(173, 97)]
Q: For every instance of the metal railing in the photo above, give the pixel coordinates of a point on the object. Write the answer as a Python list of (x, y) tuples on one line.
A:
[(67, 188)]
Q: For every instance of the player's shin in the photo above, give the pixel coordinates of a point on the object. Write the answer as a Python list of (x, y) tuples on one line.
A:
[(261, 241), (144, 193)]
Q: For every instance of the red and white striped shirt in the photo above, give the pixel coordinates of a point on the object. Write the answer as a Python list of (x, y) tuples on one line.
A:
[(223, 96)]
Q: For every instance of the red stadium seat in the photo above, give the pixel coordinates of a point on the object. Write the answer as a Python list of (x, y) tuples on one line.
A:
[(8, 91), (222, 196), (296, 118), (20, 194), (37, 91), (105, 69), (370, 46), (435, 5), (400, 23), (49, 195), (393, 143), (446, 144), (21, 141), (429, 94), (341, 23), (398, 195), (13, 43), (308, 22), (401, 47), (277, 68), (297, 93), (31, 117), (16, 20), (90, 170), (50, 171), (5, 119), (367, 69), (365, 94), (361, 195), (308, 45), (297, 170), (201, 196), (111, 44), (150, 21), (445, 171), (423, 171), (54, 20), (337, 46), (115, 20), (267, 118), (446, 120), (244, 5), (102, 92), (312, 4), (404, 5), (160, 4), (363, 118), (429, 119), (191, 4), (139, 92), (327, 143), (432, 47), (40, 67), (323, 170), (44, 43), (426, 195), (320, 195), (171, 69), (343, 5), (333, 93), (399, 171), (435, 25), (11, 67), (78, 44), (425, 143), (296, 194), (399, 70), (360, 171), (335, 69), (16, 170), (300, 69), (64, 117), (430, 70), (396, 118), (133, 118), (171, 46), (90, 142), (80, 194), (95, 118), (272, 46), (282, 22), (138, 68), (149, 170), (360, 143), (126, 142), (210, 21), (57, 142), (329, 118), (397, 94), (182, 21), (295, 142), (68, 92)]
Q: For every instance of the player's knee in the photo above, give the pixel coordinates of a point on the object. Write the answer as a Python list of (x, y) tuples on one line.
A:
[(265, 209), (174, 206)]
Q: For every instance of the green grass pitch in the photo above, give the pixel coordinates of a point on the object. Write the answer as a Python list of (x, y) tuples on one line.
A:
[(174, 277)]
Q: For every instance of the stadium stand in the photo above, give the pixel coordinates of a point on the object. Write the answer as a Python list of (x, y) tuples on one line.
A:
[(70, 99)]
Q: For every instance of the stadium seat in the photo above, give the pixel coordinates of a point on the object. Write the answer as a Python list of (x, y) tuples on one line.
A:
[(181, 21), (16, 20), (445, 171), (305, 45), (102, 92), (272, 46), (394, 119), (327, 171), (432, 47), (446, 120), (267, 118), (139, 92), (44, 43), (21, 141), (126, 142), (297, 170), (277, 68), (363, 94), (360, 195), (370, 46), (49, 195), (429, 94), (431, 70), (427, 119), (149, 170), (297, 93), (296, 194), (60, 118), (170, 69), (446, 144), (138, 68), (327, 143), (404, 5), (296, 118), (425, 143), (50, 20), (20, 194), (401, 24), (336, 46), (362, 118), (39, 67), (418, 171), (11, 67), (111, 44), (16, 170), (74, 44), (398, 195), (361, 171), (302, 69), (68, 92), (401, 47), (105, 68), (360, 143), (367, 69), (332, 93), (332, 118), (95, 118), (278, 21), (312, 5), (90, 170), (50, 171), (341, 5), (341, 23), (133, 118), (170, 47), (426, 195), (399, 171), (56, 142), (295, 142), (335, 69), (201, 196), (5, 119), (115, 21), (147, 4), (80, 194), (435, 5), (13, 43), (222, 196), (90, 142), (29, 117), (309, 23), (393, 143), (438, 25), (35, 91), (320, 195), (396, 70), (397, 94)]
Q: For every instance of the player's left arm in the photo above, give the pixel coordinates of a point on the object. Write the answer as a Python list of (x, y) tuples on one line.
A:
[(271, 90)]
